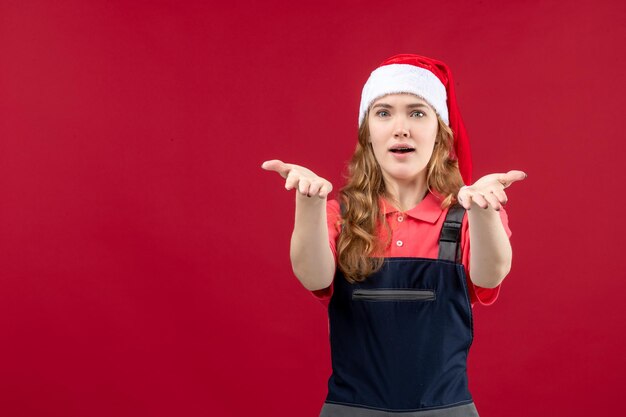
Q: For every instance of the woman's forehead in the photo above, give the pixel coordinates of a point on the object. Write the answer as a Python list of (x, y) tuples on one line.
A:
[(405, 96)]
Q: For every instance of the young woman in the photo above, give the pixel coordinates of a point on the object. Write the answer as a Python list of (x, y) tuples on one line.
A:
[(391, 257)]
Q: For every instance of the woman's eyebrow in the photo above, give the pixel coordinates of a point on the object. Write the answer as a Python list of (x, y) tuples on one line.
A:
[(412, 106)]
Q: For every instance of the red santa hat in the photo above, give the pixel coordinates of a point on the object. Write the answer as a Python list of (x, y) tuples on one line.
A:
[(431, 80)]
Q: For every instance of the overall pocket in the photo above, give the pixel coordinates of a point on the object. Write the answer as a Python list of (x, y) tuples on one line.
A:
[(386, 294)]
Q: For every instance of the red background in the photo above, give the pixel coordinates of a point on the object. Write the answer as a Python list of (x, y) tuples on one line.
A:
[(145, 255)]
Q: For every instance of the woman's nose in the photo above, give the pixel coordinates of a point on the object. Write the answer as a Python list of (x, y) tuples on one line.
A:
[(401, 131)]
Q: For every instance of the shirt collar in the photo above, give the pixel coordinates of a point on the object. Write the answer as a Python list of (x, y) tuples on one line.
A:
[(428, 210)]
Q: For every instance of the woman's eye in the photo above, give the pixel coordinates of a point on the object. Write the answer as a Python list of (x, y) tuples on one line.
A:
[(382, 113), (419, 113)]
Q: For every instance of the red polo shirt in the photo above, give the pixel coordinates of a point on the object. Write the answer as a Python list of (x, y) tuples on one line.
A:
[(414, 233)]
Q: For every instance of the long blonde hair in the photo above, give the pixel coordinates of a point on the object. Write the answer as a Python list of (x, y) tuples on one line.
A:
[(359, 249)]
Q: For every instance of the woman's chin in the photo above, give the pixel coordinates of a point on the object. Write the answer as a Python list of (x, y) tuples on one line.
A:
[(404, 175)]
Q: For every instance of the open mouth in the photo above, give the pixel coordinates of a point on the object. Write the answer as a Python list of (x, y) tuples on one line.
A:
[(402, 150)]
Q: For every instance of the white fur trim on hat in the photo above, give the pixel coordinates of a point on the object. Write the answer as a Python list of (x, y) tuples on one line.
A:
[(404, 78)]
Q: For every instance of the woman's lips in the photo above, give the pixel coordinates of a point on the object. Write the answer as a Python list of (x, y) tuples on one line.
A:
[(402, 155)]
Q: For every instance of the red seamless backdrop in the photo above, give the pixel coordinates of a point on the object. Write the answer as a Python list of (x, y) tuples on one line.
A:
[(144, 254)]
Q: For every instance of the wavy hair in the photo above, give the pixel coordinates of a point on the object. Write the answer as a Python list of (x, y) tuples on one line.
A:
[(361, 244)]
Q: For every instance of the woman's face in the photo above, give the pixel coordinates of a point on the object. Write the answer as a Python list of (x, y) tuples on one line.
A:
[(402, 121)]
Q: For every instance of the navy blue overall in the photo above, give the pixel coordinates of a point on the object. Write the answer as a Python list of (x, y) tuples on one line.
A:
[(399, 340)]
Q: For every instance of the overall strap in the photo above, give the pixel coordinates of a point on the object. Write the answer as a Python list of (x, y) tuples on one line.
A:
[(449, 240)]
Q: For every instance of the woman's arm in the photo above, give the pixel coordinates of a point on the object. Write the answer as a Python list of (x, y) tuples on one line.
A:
[(490, 253), (312, 260)]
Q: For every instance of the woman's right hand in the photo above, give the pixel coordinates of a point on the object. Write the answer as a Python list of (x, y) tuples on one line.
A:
[(300, 178)]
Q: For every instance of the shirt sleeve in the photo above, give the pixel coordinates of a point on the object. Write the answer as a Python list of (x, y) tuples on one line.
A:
[(333, 219), (484, 296)]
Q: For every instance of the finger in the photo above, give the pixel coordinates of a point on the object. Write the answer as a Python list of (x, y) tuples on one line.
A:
[(315, 187), (492, 200), (325, 190), (464, 200), (293, 178), (464, 197), (303, 186), (510, 177), (501, 196), (479, 199), (278, 166)]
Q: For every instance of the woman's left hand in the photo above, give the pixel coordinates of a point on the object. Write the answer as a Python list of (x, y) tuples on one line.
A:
[(489, 190)]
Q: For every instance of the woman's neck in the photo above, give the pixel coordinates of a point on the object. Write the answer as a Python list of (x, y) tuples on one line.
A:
[(406, 194)]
